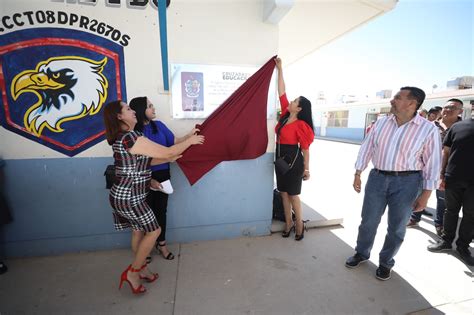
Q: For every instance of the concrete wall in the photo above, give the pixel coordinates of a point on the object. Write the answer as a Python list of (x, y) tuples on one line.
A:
[(59, 203)]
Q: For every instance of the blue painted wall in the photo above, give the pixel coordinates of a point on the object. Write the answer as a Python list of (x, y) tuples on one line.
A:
[(61, 205)]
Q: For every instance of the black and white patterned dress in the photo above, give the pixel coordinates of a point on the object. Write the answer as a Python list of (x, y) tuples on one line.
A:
[(128, 194)]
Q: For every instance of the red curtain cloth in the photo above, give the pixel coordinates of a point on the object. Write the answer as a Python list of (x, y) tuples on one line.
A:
[(237, 130)]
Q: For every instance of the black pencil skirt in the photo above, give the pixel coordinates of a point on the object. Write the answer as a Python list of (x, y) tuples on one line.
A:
[(292, 180)]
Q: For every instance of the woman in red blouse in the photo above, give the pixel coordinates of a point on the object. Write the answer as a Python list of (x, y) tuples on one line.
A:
[(295, 133)]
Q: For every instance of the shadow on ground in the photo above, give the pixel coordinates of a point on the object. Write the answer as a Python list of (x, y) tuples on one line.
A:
[(263, 275)]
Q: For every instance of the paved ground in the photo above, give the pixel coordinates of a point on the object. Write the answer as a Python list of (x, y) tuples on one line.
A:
[(262, 275)]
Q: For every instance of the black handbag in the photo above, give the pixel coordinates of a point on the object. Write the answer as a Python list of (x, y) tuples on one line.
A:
[(278, 209), (281, 165), (109, 176)]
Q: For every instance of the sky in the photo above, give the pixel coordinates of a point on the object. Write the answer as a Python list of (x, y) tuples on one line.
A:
[(418, 43)]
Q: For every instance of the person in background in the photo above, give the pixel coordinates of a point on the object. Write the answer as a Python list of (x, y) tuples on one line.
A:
[(423, 113), (449, 116), (405, 150), (5, 215), (457, 178), (295, 133), (133, 155), (159, 133), (369, 127), (434, 113)]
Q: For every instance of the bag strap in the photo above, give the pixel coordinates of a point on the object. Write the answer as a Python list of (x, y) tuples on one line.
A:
[(278, 141), (296, 156), (278, 134)]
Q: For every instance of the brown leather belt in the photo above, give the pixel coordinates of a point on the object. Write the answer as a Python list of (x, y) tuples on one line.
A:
[(395, 173)]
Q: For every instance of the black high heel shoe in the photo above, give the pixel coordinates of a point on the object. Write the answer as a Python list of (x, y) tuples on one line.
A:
[(301, 236), (286, 234), (158, 247)]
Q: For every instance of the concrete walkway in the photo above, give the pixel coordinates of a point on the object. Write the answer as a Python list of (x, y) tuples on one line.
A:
[(261, 275)]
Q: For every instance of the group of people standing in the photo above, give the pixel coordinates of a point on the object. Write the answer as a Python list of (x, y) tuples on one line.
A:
[(142, 149), (443, 118), (404, 147)]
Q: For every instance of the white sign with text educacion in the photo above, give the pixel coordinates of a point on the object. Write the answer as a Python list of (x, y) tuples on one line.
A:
[(198, 90)]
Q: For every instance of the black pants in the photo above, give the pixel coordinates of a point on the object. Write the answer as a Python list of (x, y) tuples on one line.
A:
[(5, 217), (158, 202), (459, 193)]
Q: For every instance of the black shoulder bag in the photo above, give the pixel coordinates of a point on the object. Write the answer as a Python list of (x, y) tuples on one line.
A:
[(109, 176), (281, 165)]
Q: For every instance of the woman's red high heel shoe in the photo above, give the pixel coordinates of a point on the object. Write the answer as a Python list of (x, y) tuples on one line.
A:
[(154, 276), (140, 289)]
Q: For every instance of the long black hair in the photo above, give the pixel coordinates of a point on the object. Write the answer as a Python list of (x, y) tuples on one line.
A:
[(305, 114), (139, 105)]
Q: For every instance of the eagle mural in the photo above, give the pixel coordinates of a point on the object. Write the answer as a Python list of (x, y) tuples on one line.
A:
[(67, 87)]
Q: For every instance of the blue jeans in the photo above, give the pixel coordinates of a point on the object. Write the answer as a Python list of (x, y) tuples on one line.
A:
[(399, 193), (440, 208)]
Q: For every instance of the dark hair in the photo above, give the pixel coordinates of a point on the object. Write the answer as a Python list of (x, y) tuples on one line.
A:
[(139, 105), (304, 114), (415, 93), (457, 100), (434, 110), (111, 121)]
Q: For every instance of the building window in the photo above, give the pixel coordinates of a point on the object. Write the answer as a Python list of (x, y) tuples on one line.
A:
[(338, 118)]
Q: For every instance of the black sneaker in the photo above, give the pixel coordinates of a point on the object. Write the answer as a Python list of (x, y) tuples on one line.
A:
[(383, 273), (440, 246), (355, 261), (465, 255)]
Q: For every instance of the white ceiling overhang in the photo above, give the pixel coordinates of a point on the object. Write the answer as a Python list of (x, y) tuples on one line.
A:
[(307, 25)]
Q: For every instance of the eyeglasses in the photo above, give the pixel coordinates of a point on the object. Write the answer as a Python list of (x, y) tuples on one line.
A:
[(451, 107)]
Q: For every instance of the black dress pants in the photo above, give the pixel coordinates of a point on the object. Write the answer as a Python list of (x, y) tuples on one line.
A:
[(459, 193)]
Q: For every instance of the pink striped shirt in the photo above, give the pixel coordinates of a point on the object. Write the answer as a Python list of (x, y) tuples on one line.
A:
[(414, 146)]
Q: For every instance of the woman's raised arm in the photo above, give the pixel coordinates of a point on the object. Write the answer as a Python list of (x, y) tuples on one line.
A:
[(281, 81)]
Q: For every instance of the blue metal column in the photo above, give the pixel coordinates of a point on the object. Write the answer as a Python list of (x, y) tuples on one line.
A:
[(164, 42)]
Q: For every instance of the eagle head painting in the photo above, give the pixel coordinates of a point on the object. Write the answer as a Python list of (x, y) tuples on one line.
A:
[(67, 88)]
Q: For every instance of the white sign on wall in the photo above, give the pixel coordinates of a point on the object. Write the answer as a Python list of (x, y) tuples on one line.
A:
[(198, 90)]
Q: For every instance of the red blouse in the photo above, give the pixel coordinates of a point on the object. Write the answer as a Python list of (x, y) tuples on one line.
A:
[(295, 132)]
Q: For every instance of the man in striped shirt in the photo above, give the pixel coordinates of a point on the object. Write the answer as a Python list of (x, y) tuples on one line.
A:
[(405, 150)]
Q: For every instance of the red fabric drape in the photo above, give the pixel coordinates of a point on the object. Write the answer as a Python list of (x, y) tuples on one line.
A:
[(237, 130)]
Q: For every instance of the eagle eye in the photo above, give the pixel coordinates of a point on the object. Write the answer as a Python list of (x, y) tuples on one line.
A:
[(56, 75)]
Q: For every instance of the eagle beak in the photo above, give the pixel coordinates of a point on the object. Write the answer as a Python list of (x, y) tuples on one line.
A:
[(28, 81)]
